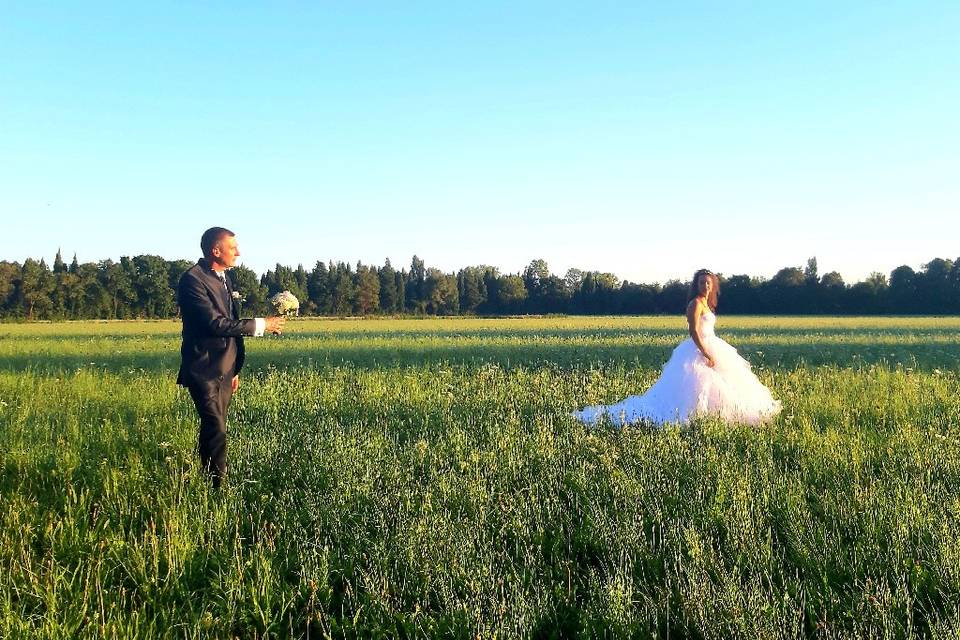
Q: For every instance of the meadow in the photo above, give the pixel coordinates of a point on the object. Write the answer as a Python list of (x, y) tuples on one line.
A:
[(423, 478)]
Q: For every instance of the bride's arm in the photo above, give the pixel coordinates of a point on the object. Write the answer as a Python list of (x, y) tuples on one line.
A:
[(693, 325)]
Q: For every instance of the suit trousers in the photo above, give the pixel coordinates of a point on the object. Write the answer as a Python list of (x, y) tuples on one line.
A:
[(212, 399)]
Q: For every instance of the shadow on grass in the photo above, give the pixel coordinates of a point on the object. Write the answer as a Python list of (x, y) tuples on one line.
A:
[(918, 333), (279, 355)]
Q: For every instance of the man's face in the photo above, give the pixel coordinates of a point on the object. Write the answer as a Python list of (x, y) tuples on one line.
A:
[(226, 252)]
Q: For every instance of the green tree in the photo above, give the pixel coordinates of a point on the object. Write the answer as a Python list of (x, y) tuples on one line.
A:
[(491, 282), (954, 288), (389, 298), (58, 265), (554, 295), (598, 292), (933, 286), (739, 293), (789, 277), (117, 283), (36, 289), (175, 269), (155, 297), (301, 277), (414, 286), (903, 290), (68, 294), (572, 281), (283, 278), (833, 291), (868, 296), (472, 289), (877, 281), (442, 297), (638, 298), (367, 290), (785, 291), (673, 297), (9, 280), (342, 293), (511, 292), (535, 279), (810, 300), (318, 288), (97, 301), (833, 279), (253, 295), (400, 283), (810, 275)]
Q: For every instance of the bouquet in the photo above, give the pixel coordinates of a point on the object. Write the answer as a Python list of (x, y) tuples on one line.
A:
[(285, 303)]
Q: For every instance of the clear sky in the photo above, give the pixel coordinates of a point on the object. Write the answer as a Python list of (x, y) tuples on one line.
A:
[(643, 138)]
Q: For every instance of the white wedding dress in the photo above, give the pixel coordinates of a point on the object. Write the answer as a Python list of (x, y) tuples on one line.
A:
[(688, 388)]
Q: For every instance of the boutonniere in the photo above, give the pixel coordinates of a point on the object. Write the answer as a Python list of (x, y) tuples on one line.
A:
[(236, 296)]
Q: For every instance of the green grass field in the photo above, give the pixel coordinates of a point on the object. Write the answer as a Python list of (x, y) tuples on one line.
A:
[(423, 478)]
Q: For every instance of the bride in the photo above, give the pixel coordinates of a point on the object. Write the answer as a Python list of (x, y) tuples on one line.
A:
[(705, 376)]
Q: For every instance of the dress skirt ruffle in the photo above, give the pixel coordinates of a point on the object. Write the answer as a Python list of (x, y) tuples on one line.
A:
[(689, 388)]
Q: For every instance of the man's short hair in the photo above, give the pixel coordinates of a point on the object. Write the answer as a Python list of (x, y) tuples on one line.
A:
[(211, 237)]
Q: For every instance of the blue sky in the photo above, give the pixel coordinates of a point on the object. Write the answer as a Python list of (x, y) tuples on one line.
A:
[(645, 139)]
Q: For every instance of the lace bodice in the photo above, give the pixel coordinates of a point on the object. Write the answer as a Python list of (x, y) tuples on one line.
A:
[(707, 321)]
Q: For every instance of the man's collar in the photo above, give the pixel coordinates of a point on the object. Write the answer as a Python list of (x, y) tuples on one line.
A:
[(208, 266)]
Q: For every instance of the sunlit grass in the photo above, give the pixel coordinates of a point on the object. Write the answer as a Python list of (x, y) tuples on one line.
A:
[(568, 342), (424, 478)]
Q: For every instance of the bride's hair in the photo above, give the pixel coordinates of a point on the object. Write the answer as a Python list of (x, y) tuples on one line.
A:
[(714, 292)]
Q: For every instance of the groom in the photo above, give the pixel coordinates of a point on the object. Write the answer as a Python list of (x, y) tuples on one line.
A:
[(212, 352)]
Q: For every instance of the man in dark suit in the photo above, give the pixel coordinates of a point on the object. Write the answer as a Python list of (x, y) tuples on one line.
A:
[(212, 351)]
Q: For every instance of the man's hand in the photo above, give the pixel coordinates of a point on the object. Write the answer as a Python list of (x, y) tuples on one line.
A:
[(275, 324), (235, 384)]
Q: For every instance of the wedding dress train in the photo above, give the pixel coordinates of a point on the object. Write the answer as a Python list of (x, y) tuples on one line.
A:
[(688, 388)]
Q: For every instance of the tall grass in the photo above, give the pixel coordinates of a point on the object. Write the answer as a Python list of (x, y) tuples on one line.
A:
[(435, 486)]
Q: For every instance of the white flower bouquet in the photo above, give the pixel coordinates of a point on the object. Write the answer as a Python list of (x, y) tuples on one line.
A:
[(285, 303)]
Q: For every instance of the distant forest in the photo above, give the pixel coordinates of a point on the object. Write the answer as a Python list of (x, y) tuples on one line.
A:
[(144, 287)]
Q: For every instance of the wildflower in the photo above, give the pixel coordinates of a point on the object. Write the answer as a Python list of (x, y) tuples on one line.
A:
[(206, 621)]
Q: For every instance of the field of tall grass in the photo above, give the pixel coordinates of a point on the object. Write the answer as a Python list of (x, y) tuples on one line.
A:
[(423, 478)]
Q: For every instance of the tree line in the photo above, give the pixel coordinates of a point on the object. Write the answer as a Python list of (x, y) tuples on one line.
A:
[(144, 286)]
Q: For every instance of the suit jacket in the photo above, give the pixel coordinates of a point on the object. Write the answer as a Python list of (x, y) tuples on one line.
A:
[(212, 345)]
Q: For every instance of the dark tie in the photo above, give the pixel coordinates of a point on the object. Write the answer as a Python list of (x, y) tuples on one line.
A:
[(226, 292)]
